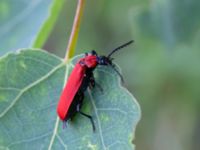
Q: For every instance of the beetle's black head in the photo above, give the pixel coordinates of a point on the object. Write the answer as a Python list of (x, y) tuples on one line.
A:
[(93, 52), (103, 60), (107, 60)]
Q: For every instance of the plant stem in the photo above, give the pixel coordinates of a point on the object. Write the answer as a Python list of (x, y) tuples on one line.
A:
[(75, 30)]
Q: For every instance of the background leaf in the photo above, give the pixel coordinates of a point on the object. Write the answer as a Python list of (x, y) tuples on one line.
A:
[(20, 22), (49, 23), (30, 85)]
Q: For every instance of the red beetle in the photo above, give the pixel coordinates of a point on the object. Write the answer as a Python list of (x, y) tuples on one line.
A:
[(80, 78)]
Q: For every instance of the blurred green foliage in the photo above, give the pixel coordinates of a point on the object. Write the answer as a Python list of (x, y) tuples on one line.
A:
[(162, 68), (20, 22)]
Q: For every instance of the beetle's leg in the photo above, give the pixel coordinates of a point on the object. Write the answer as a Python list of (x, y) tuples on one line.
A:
[(89, 117), (93, 52), (118, 73), (64, 124), (99, 87), (84, 83), (93, 83), (86, 115)]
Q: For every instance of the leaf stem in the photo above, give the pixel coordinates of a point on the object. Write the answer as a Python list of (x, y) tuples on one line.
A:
[(75, 30)]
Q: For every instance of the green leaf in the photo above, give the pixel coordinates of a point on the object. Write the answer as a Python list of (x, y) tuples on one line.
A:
[(30, 85), (49, 23), (20, 22)]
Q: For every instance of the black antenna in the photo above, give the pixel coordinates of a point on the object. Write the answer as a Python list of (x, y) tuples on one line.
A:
[(120, 47)]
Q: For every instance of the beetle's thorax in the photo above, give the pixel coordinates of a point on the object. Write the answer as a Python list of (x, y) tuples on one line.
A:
[(89, 61)]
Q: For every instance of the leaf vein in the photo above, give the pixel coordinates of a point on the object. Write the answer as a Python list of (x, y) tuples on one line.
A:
[(54, 134), (29, 87), (57, 121), (61, 141), (98, 120), (10, 89), (29, 140)]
